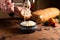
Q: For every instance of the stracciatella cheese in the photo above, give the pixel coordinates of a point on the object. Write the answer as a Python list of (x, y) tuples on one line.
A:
[(28, 23), (25, 12)]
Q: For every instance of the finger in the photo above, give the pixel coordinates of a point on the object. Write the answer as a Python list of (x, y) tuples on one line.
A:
[(8, 1), (2, 2), (11, 7)]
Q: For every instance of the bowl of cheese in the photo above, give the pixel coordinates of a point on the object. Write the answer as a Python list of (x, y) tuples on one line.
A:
[(28, 26)]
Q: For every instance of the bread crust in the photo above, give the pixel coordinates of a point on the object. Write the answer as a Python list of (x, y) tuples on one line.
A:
[(45, 14)]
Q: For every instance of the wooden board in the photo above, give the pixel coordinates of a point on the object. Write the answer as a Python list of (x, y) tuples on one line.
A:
[(9, 30)]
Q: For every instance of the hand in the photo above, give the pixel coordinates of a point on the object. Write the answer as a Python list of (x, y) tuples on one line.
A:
[(7, 5)]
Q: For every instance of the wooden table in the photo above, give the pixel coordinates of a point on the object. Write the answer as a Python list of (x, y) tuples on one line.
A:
[(9, 30)]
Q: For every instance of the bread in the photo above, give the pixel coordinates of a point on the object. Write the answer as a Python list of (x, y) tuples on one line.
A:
[(45, 14), (52, 22)]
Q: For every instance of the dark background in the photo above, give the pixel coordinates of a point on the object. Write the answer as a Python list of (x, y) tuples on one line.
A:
[(53, 3), (42, 4)]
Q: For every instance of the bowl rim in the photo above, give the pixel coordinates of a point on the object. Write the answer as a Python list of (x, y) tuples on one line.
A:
[(28, 26)]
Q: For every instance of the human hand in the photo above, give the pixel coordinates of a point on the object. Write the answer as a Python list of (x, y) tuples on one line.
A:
[(7, 5)]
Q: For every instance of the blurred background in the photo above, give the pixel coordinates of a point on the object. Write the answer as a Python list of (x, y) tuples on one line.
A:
[(39, 4)]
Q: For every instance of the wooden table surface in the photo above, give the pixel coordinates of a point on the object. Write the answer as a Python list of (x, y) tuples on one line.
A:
[(9, 30)]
